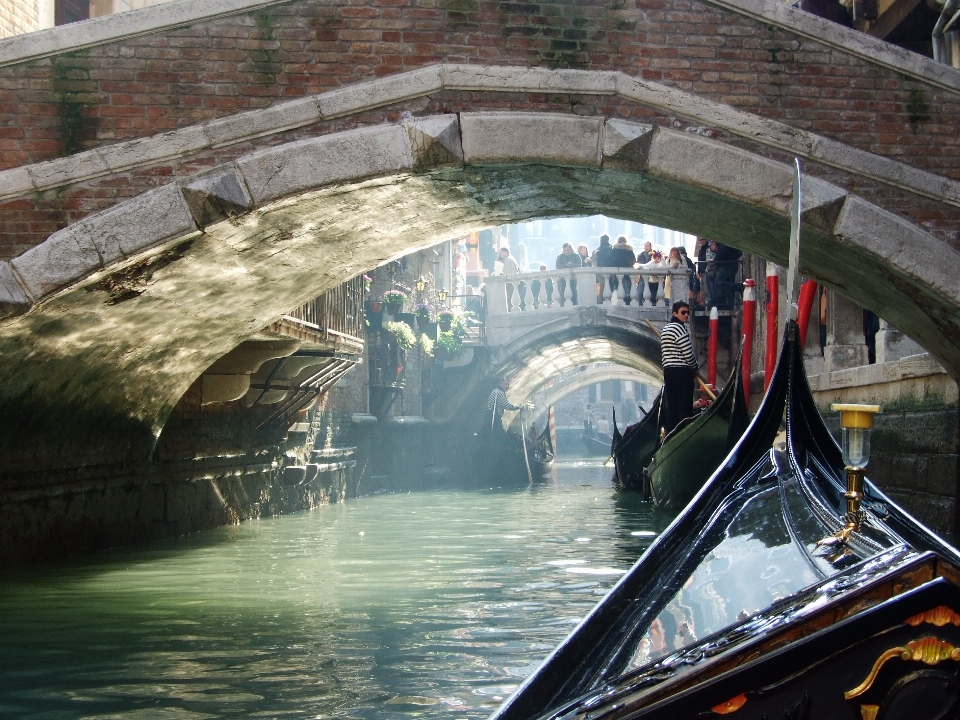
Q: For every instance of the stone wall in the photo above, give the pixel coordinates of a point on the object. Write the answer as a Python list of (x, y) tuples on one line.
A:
[(210, 468), (18, 17), (177, 77), (914, 446)]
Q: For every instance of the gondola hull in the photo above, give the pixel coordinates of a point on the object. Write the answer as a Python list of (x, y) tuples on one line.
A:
[(737, 608), (634, 450), (597, 445), (696, 447)]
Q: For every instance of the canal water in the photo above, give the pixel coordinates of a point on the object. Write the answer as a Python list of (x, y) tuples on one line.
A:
[(421, 605)]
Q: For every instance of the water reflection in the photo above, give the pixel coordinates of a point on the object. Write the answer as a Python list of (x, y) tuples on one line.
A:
[(410, 605), (754, 564)]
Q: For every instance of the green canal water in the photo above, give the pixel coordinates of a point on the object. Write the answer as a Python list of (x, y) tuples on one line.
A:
[(422, 605)]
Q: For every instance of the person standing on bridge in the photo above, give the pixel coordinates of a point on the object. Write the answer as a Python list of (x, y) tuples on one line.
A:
[(679, 365), (568, 260), (496, 404)]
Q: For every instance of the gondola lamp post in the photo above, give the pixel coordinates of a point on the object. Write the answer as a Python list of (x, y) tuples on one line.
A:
[(856, 424)]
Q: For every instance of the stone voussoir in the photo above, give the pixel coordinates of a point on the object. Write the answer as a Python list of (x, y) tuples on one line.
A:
[(13, 300), (901, 244), (528, 79), (435, 140), (706, 163), (502, 137), (77, 251), (626, 145), (307, 164)]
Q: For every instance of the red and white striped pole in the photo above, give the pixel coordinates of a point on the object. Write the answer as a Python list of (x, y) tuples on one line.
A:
[(808, 292), (773, 335), (712, 348), (748, 320)]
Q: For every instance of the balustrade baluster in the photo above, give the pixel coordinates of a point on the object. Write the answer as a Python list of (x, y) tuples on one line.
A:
[(567, 292), (606, 289), (515, 297)]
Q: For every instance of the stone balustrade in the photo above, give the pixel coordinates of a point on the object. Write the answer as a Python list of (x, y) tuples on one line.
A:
[(557, 291)]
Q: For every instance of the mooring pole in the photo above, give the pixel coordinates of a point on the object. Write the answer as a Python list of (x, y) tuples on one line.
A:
[(808, 293), (773, 335), (748, 320), (712, 348)]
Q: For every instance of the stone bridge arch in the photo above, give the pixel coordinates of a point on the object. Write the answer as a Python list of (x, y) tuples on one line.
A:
[(216, 256)]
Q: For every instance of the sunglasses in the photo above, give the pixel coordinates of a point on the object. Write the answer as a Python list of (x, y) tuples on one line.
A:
[(683, 312)]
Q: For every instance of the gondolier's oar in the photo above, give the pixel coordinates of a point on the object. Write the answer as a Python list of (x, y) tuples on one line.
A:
[(703, 384), (523, 442)]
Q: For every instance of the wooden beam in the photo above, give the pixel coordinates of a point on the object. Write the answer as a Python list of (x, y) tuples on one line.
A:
[(888, 22)]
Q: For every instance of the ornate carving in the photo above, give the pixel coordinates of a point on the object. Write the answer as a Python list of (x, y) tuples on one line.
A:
[(939, 616), (928, 650), (731, 705)]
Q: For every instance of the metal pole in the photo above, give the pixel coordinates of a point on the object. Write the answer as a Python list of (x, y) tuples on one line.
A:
[(748, 321), (712, 347)]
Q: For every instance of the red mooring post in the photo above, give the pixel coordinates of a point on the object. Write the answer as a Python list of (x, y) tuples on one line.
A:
[(712, 348), (808, 293), (748, 321), (773, 335)]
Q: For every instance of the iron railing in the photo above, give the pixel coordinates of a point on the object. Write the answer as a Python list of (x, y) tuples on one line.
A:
[(336, 317)]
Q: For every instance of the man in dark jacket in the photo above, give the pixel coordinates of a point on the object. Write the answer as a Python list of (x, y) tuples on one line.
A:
[(679, 366), (623, 257), (727, 262), (568, 260)]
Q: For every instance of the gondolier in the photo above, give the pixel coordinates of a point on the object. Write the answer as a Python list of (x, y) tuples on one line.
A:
[(679, 366), (496, 403)]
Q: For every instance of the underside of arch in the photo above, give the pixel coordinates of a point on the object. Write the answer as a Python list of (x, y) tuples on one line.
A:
[(244, 243)]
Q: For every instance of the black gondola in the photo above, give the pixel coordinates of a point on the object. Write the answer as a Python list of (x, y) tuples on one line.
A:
[(690, 453), (633, 450), (542, 454), (738, 608), (597, 445)]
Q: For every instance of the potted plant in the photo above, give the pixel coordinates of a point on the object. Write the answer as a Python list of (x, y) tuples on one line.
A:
[(449, 343), (394, 301), (445, 318), (422, 311), (404, 335)]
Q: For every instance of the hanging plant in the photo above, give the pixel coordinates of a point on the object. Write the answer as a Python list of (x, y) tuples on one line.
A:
[(403, 334), (422, 310), (426, 344), (449, 342), (394, 300)]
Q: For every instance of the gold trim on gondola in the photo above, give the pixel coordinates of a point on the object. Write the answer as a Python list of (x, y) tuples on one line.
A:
[(731, 705), (869, 712), (939, 616), (928, 650)]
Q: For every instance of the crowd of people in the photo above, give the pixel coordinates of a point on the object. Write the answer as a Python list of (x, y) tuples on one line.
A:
[(712, 275)]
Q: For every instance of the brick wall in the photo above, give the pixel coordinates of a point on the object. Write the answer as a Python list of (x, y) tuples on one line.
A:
[(18, 17), (174, 79)]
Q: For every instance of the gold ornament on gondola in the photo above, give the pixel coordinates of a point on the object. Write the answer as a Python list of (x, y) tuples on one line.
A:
[(928, 650)]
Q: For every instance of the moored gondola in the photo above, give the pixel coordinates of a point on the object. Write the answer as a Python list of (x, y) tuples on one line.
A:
[(739, 608), (542, 454), (633, 450), (691, 452), (597, 445)]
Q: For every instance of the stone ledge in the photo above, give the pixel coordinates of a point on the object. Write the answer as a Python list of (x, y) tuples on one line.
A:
[(910, 380), (110, 28)]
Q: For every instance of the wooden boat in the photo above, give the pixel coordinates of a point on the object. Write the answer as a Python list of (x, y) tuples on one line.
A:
[(541, 454), (633, 450), (692, 451), (597, 445), (738, 610)]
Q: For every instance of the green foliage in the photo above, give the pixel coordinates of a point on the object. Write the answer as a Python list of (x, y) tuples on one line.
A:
[(406, 338), (450, 342), (425, 343)]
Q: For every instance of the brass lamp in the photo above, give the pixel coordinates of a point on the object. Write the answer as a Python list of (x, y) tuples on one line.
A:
[(421, 285), (856, 422), (441, 296)]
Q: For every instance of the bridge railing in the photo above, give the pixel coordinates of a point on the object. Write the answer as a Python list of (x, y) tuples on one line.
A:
[(556, 291)]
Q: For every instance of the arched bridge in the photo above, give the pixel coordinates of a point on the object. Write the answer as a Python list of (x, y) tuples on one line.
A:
[(239, 158)]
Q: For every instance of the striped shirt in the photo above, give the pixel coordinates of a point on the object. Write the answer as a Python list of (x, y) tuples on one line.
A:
[(497, 403), (675, 347)]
